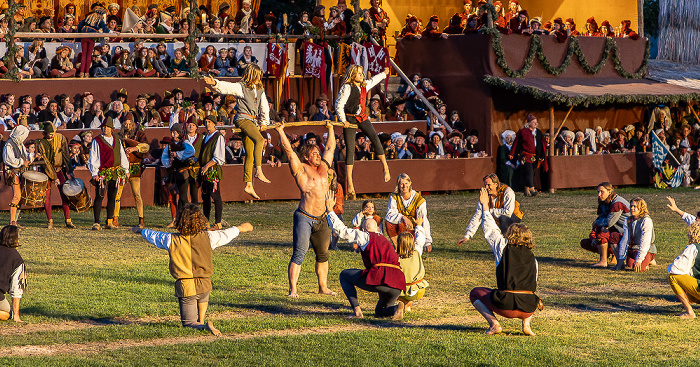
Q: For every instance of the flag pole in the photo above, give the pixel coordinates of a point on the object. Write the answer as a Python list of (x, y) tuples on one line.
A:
[(668, 151)]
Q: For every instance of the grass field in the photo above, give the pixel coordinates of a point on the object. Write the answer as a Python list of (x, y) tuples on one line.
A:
[(106, 298)]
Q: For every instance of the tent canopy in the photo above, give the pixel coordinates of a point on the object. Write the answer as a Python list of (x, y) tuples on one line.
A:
[(598, 91)]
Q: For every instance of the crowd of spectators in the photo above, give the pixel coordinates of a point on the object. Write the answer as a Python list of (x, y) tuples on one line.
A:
[(677, 129), (513, 20)]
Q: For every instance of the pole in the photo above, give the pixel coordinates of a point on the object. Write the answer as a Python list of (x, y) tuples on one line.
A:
[(551, 128)]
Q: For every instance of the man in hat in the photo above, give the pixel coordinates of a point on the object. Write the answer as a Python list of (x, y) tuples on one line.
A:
[(529, 148), (176, 159), (560, 30), (455, 26), (136, 148), (212, 156), (195, 139), (269, 27), (93, 23), (53, 148), (520, 24), (512, 11), (246, 18), (143, 115), (398, 111), (311, 172), (626, 31), (346, 14), (504, 166), (207, 109), (223, 12), (122, 96), (570, 26), (234, 150), (381, 18), (431, 30), (324, 112), (109, 167), (166, 112), (592, 28), (166, 23)]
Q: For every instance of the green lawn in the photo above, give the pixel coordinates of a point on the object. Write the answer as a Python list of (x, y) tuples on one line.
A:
[(106, 298)]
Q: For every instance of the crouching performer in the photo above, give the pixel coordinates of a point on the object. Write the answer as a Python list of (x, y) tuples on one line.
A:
[(191, 264), (684, 273), (516, 274), (606, 232), (382, 273)]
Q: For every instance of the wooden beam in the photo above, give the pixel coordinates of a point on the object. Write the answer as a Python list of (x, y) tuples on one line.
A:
[(553, 137), (551, 128)]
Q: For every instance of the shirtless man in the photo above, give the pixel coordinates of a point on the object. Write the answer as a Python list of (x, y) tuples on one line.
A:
[(310, 224)]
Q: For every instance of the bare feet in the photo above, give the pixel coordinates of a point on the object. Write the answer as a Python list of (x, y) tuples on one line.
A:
[(212, 329), (494, 329), (327, 292), (250, 191), (261, 176), (526, 327), (600, 264), (399, 312), (293, 294), (407, 306), (171, 225), (358, 313), (653, 263), (686, 315), (612, 261)]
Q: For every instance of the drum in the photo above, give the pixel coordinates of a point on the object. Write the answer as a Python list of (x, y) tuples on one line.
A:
[(77, 195), (33, 188)]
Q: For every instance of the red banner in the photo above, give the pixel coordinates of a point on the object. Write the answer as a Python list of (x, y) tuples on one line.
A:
[(315, 62), (377, 58), (276, 58)]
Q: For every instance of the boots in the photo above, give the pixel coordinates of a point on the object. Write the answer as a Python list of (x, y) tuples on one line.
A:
[(142, 224), (110, 224), (69, 224), (115, 222)]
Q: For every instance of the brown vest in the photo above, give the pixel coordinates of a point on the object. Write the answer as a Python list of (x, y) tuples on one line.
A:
[(191, 264)]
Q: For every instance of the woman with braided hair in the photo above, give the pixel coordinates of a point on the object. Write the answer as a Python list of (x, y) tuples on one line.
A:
[(350, 107)]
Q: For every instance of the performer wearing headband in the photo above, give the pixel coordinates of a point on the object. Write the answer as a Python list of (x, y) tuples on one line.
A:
[(136, 148), (350, 106), (312, 174), (14, 156), (53, 148), (213, 157), (109, 167), (253, 117)]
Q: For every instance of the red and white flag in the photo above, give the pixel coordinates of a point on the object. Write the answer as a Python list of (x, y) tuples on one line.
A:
[(377, 60), (315, 62)]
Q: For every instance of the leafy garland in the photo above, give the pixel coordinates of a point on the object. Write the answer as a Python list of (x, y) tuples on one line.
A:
[(134, 169), (212, 175), (359, 34), (109, 174), (12, 49), (574, 48), (586, 101), (192, 38), (491, 9)]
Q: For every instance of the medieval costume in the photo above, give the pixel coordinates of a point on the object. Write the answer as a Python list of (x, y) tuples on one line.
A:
[(411, 29), (411, 208), (637, 243), (382, 273), (213, 150), (626, 32), (93, 23), (109, 167), (529, 149), (137, 143), (592, 28), (56, 155), (608, 227), (14, 155), (382, 20), (431, 31), (455, 26), (504, 208)]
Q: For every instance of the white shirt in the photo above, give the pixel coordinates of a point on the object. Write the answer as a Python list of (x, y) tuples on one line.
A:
[(643, 239), (394, 217), (16, 290), (507, 210), (163, 240), (357, 221), (236, 89), (94, 161), (689, 219), (219, 151), (181, 155), (683, 264), (8, 156), (344, 94)]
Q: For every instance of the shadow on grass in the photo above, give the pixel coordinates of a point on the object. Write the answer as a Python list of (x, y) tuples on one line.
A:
[(274, 307)]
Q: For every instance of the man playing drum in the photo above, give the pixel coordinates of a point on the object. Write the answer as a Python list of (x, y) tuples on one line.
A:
[(14, 156), (53, 148), (109, 167), (136, 148)]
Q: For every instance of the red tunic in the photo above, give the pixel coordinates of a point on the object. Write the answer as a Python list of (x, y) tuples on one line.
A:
[(381, 251)]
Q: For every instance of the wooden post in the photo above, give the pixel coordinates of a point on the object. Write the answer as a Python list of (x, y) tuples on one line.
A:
[(561, 125), (193, 27), (640, 17), (12, 25), (551, 129), (490, 19)]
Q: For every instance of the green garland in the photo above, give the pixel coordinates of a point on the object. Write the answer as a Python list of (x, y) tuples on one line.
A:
[(573, 48), (192, 40), (586, 101), (212, 175), (491, 9), (109, 174), (14, 73)]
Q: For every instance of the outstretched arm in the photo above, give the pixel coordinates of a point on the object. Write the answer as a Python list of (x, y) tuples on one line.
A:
[(161, 240), (351, 235), (687, 218), (225, 87), (225, 236), (330, 145), (294, 162)]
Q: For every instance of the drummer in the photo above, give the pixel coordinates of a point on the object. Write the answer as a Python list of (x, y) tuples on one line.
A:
[(107, 155), (14, 156), (53, 148), (136, 148)]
